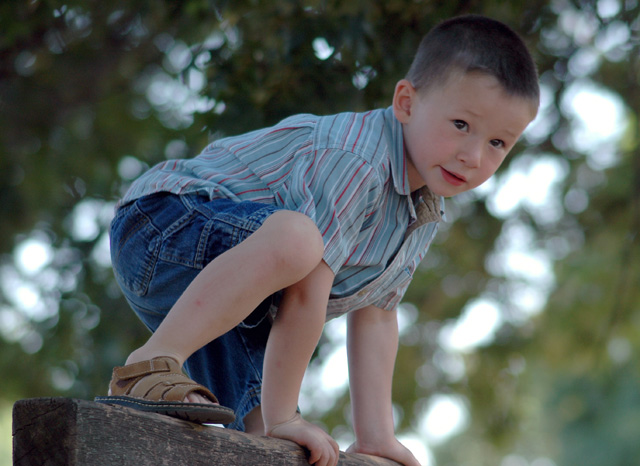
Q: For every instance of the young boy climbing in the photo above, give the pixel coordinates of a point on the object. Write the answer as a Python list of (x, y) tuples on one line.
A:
[(236, 258)]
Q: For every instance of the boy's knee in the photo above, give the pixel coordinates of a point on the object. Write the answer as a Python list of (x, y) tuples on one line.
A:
[(301, 244)]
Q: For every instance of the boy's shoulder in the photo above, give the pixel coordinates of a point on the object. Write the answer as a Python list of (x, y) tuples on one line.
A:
[(370, 135)]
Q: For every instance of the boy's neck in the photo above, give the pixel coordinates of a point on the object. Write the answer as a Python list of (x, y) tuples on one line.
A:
[(415, 181)]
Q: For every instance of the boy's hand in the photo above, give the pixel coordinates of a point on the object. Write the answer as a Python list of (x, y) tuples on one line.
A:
[(324, 449), (394, 451), (372, 344)]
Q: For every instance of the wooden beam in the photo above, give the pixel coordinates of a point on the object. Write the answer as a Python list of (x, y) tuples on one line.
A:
[(64, 431)]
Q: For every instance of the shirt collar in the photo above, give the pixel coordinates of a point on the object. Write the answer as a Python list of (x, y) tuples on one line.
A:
[(399, 172), (429, 207)]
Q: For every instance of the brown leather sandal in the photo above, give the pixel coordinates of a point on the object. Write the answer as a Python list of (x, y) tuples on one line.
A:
[(159, 386)]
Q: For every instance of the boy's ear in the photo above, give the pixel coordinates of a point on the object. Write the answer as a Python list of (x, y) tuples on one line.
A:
[(403, 98)]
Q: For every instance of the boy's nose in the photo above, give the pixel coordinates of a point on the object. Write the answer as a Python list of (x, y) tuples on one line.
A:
[(471, 154)]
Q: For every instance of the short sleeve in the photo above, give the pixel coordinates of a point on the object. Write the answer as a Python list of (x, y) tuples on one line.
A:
[(337, 190)]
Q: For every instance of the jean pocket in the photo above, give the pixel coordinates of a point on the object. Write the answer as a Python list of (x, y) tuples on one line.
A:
[(135, 244)]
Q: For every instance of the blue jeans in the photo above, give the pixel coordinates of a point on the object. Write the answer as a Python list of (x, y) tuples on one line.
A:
[(159, 244)]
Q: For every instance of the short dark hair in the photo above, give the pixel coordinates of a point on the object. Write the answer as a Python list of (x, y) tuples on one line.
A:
[(475, 43)]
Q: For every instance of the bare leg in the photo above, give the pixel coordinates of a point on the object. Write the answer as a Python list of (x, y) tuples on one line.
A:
[(253, 422), (285, 249)]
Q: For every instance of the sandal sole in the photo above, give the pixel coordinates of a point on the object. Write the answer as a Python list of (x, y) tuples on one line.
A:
[(199, 413)]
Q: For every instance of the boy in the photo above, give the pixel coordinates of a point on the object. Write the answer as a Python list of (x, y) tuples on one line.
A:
[(235, 259)]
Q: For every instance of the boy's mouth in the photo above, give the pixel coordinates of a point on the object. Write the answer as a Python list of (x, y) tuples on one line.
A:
[(452, 178)]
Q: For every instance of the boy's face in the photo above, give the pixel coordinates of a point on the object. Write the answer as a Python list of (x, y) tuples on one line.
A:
[(457, 134)]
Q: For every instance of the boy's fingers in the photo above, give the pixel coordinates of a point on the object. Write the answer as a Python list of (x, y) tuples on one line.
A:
[(315, 454), (408, 459), (334, 450), (320, 453), (323, 449), (331, 454), (336, 453), (313, 457), (319, 459), (324, 456)]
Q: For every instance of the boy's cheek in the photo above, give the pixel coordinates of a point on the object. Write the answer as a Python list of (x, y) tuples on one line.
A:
[(488, 174)]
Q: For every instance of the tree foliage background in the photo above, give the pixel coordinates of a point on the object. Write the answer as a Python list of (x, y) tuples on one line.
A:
[(92, 93)]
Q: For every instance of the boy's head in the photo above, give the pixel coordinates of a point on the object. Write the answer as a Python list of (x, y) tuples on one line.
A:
[(475, 43), (469, 94)]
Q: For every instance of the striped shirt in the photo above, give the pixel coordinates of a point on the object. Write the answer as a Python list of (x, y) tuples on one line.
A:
[(347, 172)]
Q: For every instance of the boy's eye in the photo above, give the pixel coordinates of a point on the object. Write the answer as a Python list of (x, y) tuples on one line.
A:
[(497, 143), (460, 124)]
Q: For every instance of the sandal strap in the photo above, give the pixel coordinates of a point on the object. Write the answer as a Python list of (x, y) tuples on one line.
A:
[(169, 387), (158, 379), (143, 368)]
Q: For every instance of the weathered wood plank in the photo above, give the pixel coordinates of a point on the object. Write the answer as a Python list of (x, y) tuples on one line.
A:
[(64, 431)]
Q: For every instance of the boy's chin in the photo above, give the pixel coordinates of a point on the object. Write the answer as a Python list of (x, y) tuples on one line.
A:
[(445, 191)]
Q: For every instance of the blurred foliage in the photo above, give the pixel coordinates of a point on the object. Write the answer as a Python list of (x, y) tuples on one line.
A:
[(93, 92)]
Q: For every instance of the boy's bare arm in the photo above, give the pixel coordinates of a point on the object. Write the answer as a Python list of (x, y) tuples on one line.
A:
[(292, 340), (372, 346)]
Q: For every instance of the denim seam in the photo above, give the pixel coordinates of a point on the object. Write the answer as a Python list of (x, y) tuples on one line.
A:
[(250, 400), (201, 248), (179, 223), (131, 231), (257, 373), (193, 262), (146, 272), (192, 208)]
